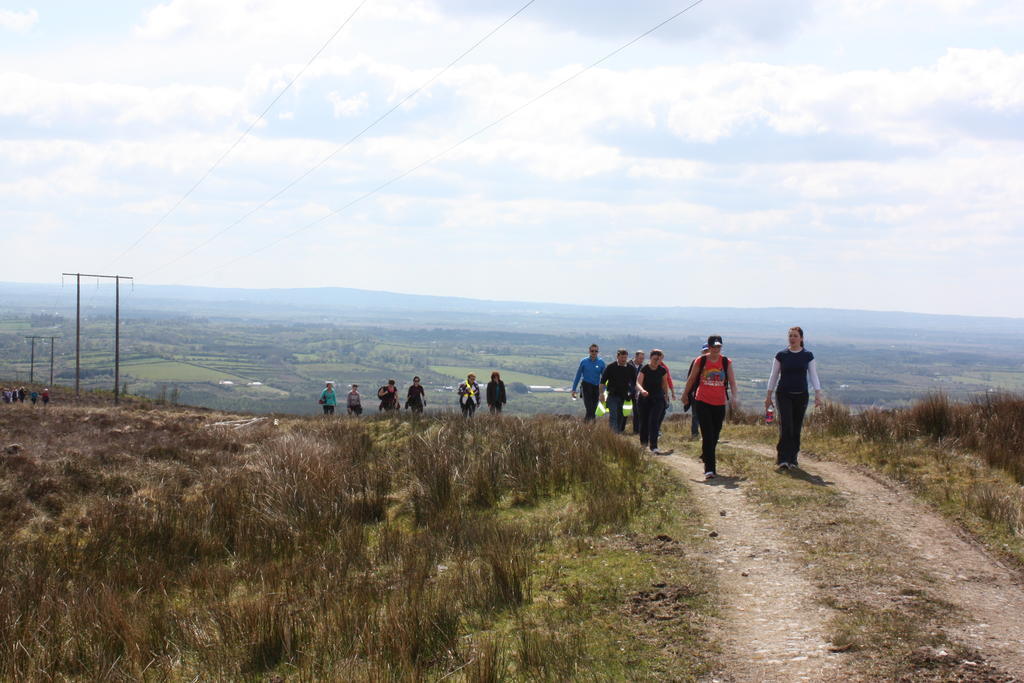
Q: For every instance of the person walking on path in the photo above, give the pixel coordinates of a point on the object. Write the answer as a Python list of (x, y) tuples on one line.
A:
[(620, 380), (416, 399), (328, 399), (694, 422), (46, 396), (671, 389), (710, 380), (636, 364), (496, 396), (792, 369), (589, 370), (34, 396), (388, 395), (354, 401), (652, 388), (469, 395)]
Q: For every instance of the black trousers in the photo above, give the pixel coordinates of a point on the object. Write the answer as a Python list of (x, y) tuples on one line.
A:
[(495, 408), (589, 392), (694, 422), (328, 410), (468, 408), (637, 411), (790, 409), (711, 419), (652, 414)]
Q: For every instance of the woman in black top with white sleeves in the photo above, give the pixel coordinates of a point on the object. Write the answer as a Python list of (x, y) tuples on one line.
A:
[(793, 368)]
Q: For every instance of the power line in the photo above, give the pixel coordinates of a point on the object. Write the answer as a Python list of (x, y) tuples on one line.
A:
[(466, 139), (344, 146), (237, 142)]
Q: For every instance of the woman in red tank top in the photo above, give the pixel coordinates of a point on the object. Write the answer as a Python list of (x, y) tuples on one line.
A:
[(711, 374)]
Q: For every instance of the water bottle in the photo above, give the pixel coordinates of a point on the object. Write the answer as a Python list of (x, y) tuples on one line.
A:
[(769, 416)]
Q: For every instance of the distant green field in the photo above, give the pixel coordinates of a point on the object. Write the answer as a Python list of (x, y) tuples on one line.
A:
[(1013, 381), (261, 391), (328, 369), (561, 357), (175, 371), (506, 375)]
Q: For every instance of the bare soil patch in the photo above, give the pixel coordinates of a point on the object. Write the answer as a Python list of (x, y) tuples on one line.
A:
[(771, 627)]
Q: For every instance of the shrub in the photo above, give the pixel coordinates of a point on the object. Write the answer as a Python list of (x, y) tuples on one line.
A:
[(832, 418), (932, 415)]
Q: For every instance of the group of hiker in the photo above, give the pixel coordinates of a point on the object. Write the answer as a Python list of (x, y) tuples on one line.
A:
[(631, 386), (470, 396), (642, 387), (19, 394)]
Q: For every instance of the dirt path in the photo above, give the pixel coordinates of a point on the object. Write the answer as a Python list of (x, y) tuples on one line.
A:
[(772, 630), (989, 594)]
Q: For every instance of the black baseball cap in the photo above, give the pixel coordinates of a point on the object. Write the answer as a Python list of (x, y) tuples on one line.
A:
[(714, 340)]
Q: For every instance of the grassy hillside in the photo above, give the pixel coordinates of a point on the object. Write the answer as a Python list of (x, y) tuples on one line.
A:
[(178, 544)]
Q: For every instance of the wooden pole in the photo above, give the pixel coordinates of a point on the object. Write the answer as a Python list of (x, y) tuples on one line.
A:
[(32, 363), (117, 339), (78, 333)]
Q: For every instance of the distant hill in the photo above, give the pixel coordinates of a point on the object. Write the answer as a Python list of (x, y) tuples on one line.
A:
[(340, 304)]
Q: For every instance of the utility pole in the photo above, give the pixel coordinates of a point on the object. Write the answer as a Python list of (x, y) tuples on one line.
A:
[(32, 362), (117, 328), (51, 360), (78, 330)]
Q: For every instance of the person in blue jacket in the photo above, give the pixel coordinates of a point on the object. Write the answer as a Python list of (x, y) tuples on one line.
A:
[(590, 370)]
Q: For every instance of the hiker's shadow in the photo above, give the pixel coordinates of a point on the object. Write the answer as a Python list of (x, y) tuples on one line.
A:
[(814, 479), (724, 482)]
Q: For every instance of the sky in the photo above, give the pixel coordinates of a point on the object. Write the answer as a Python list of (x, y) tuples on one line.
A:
[(809, 153)]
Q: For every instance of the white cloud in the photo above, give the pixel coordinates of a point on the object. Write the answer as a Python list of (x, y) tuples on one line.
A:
[(18, 22), (164, 21), (101, 105), (345, 107), (258, 21)]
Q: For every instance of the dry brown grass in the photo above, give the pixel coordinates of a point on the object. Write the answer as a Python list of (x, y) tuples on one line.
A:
[(991, 426), (145, 543)]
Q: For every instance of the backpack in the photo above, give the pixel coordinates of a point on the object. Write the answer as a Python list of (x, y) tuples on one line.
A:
[(703, 360)]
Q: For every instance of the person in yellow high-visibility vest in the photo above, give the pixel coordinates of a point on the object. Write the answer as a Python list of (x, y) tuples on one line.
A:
[(469, 395)]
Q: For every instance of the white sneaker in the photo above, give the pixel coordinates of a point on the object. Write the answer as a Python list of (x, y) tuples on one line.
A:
[(709, 475)]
